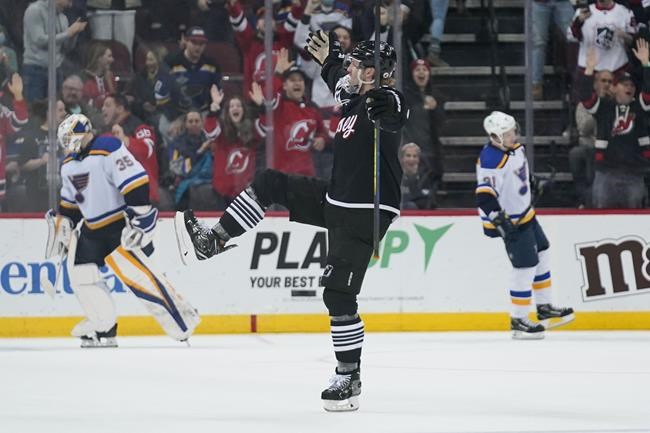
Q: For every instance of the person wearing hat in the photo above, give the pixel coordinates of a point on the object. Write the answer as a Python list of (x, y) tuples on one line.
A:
[(250, 39), (298, 125), (622, 155), (194, 72), (423, 126)]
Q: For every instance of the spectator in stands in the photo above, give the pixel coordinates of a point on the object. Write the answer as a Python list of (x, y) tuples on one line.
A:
[(190, 159), (156, 94), (12, 28), (561, 12), (99, 80), (32, 144), (415, 34), (35, 58), (214, 19), (321, 15), (72, 97), (581, 156), (414, 193), (113, 20), (622, 155), (320, 93), (439, 12), (424, 124), (234, 147), (298, 126), (194, 72), (166, 20), (136, 135), (250, 40), (607, 26), (8, 58), (12, 118)]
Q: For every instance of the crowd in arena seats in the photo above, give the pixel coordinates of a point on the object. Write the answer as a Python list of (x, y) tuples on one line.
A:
[(181, 83)]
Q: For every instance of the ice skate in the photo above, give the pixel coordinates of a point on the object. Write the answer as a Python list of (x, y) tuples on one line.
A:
[(100, 339), (553, 317), (191, 233), (524, 329), (343, 393)]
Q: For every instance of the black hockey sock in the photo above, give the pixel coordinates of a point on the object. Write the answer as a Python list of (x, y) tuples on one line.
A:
[(243, 214), (347, 338)]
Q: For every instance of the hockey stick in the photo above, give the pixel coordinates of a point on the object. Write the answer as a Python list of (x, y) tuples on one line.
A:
[(48, 287), (375, 231)]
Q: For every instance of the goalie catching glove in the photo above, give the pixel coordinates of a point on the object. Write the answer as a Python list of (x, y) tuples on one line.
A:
[(140, 224), (320, 46)]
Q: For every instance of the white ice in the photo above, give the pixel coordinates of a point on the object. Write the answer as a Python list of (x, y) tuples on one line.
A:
[(412, 383)]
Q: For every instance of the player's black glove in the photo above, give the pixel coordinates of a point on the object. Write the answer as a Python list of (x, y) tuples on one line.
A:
[(381, 104), (320, 46), (507, 230)]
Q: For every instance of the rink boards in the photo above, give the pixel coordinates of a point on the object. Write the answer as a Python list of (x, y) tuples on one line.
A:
[(436, 272)]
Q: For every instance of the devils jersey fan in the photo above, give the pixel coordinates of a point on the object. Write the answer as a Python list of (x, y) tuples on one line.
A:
[(251, 41), (298, 127), (235, 145), (139, 138)]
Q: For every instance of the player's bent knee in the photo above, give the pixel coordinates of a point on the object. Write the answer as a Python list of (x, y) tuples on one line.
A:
[(340, 303), (342, 275), (270, 187)]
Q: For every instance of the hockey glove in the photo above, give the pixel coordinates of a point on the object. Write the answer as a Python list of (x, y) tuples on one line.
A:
[(320, 46), (507, 230), (59, 232), (381, 104), (140, 225)]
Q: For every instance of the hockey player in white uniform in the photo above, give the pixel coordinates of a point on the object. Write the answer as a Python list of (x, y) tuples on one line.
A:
[(106, 187), (504, 203)]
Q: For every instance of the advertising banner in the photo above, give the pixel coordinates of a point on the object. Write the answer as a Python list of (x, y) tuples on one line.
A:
[(427, 265)]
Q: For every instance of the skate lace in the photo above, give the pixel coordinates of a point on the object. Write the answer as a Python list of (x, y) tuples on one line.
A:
[(340, 381)]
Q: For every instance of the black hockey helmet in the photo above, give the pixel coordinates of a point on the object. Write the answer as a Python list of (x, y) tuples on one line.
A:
[(364, 52)]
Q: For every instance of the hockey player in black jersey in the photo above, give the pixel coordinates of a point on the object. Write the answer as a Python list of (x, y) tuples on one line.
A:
[(344, 206)]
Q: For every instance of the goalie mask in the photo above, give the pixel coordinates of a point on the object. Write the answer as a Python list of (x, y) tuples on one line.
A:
[(498, 126), (72, 132)]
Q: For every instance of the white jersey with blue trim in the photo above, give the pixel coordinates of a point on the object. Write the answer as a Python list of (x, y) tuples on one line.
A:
[(505, 175), (96, 180)]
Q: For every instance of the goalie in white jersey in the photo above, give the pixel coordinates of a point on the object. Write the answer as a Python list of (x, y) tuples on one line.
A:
[(104, 186), (504, 202)]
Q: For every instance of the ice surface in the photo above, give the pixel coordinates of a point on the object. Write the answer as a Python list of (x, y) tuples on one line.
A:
[(412, 382)]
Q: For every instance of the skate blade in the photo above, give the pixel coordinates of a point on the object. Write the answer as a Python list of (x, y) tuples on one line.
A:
[(556, 322), (182, 237), (348, 405), (94, 344), (520, 335)]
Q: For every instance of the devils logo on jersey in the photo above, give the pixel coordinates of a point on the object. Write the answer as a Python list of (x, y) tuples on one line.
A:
[(80, 182), (624, 122), (238, 161), (301, 135)]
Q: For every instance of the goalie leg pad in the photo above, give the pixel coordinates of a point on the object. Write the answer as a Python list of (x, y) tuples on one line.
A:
[(174, 314), (94, 298)]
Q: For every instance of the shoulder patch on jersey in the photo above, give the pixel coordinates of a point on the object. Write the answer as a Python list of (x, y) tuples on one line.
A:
[(104, 145), (492, 158)]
